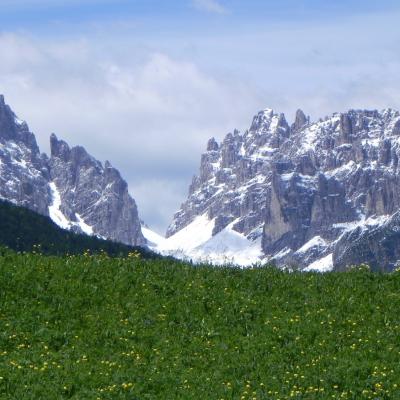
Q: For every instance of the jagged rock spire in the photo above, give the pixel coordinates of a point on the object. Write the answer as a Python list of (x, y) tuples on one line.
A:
[(59, 148), (300, 121), (212, 145)]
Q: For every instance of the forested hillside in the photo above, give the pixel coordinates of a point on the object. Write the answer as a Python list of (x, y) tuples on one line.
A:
[(24, 230)]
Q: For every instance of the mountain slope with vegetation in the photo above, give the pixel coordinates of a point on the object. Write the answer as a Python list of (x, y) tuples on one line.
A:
[(94, 327), (24, 230)]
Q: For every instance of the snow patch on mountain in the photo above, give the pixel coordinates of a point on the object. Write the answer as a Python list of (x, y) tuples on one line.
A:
[(316, 241), (229, 247), (363, 223), (154, 240), (192, 236), (324, 264), (196, 243), (55, 212), (85, 228)]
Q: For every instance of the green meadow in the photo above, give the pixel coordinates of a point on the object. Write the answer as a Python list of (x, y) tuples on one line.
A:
[(94, 327)]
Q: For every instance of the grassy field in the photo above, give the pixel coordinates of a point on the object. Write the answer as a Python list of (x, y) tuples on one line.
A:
[(91, 327)]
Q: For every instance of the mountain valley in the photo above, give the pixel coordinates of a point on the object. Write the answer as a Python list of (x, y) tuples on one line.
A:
[(309, 195)]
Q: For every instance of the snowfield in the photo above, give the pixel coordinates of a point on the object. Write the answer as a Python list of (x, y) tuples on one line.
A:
[(196, 243)]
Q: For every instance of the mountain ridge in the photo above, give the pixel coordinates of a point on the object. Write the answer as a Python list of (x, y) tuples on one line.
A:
[(77, 191), (300, 187), (307, 195)]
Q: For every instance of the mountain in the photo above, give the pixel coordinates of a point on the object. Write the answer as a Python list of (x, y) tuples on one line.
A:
[(308, 195), (73, 188), (24, 230), (92, 197), (24, 174), (311, 195)]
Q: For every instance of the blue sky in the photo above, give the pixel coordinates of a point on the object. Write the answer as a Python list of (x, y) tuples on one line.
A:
[(146, 83), (32, 13)]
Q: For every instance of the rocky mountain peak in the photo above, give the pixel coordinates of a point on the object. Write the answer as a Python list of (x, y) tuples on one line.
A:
[(76, 155), (267, 121), (107, 164), (12, 128), (23, 171), (212, 145), (59, 148), (71, 186), (293, 193), (300, 121)]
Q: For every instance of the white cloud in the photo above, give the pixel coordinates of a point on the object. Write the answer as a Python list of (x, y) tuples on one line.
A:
[(210, 5)]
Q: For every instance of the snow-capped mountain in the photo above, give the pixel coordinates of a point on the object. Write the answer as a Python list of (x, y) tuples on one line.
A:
[(312, 195), (74, 189), (307, 195)]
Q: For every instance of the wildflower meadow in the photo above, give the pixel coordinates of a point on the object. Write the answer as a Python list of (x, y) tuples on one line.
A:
[(95, 327)]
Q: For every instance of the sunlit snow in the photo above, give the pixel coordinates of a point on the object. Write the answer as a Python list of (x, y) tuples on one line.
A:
[(83, 225), (196, 243), (324, 264), (190, 237), (363, 223), (153, 239)]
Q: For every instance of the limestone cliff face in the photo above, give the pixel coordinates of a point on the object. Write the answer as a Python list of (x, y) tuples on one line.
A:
[(301, 188), (377, 245), (73, 188), (94, 193)]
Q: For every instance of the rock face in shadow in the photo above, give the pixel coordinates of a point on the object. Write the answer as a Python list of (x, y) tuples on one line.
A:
[(377, 245), (302, 188), (76, 190)]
